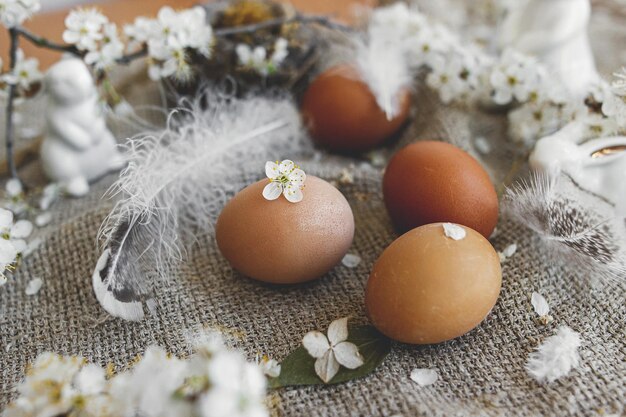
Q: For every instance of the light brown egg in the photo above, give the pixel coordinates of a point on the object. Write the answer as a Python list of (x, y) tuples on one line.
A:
[(428, 288), (282, 242), (342, 114), (428, 182)]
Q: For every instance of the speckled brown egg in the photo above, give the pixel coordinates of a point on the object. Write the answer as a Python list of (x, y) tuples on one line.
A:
[(427, 287), (286, 243), (342, 115), (429, 182)]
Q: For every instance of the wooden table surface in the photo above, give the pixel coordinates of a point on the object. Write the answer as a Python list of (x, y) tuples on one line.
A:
[(51, 25)]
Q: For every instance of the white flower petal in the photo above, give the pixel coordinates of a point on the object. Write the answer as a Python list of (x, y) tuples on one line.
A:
[(286, 166), (351, 260), (327, 366), (315, 343), (271, 170), (272, 191), (3, 281), (424, 377), (338, 331), (510, 250), (293, 194), (347, 354), (20, 245), (6, 219), (14, 187), (270, 367), (91, 379), (8, 253), (33, 287), (21, 229), (539, 304), (297, 177), (454, 231), (43, 219)]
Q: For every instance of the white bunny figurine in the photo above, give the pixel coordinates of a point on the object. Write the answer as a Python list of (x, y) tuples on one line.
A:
[(78, 147), (554, 31), (596, 165)]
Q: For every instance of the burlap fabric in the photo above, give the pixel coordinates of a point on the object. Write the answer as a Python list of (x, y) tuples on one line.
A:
[(481, 373)]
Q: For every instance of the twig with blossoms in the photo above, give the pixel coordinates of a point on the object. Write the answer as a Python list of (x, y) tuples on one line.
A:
[(166, 41), (214, 382)]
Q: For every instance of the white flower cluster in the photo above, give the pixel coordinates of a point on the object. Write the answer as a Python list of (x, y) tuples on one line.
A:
[(257, 58), (169, 39), (25, 74), (466, 73), (12, 240), (215, 382), (15, 12), (91, 32)]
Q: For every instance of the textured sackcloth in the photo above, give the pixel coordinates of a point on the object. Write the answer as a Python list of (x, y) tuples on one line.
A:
[(481, 373)]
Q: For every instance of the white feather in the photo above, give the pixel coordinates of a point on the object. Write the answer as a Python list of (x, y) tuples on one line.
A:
[(556, 356), (176, 183), (581, 230), (382, 57)]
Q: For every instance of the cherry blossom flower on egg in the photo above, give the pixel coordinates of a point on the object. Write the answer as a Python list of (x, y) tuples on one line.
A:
[(285, 178)]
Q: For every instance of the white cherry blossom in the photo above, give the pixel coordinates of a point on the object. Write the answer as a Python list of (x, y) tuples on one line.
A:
[(13, 186), (84, 28), (270, 367), (332, 351), (15, 12), (26, 72), (110, 49), (237, 388), (256, 58), (169, 37), (285, 178)]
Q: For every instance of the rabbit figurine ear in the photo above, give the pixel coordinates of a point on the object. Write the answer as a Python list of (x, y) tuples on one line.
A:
[(554, 31), (78, 147), (596, 165)]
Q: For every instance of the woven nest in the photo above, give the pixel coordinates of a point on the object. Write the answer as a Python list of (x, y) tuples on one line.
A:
[(223, 68)]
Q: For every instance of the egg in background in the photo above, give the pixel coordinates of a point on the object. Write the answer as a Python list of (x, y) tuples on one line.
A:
[(342, 114)]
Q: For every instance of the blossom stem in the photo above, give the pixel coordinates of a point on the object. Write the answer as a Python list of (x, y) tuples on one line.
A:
[(13, 34), (45, 43)]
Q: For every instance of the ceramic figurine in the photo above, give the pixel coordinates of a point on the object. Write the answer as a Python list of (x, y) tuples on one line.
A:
[(596, 165), (554, 31), (78, 147)]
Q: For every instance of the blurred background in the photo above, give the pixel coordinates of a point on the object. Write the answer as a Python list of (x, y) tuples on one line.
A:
[(49, 22)]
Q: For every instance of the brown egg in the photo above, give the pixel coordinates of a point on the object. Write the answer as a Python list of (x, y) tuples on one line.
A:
[(428, 288), (282, 242), (342, 114), (429, 182)]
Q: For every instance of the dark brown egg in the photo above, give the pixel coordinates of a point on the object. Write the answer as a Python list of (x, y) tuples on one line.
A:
[(282, 242), (342, 114), (427, 287), (429, 182)]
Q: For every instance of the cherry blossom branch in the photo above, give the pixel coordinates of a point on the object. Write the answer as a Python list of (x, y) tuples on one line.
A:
[(45, 43)]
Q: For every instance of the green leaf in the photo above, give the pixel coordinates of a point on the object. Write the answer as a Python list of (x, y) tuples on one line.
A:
[(299, 367)]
